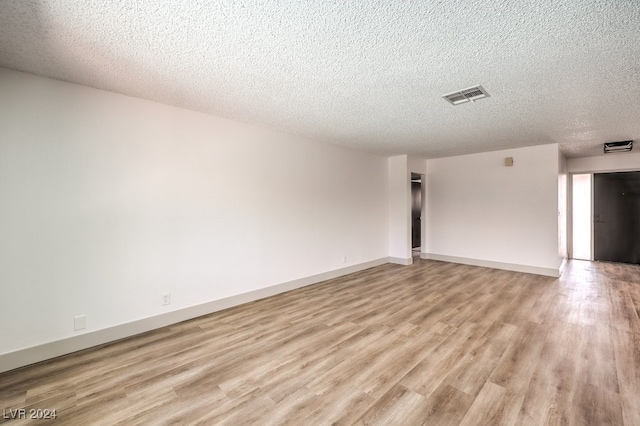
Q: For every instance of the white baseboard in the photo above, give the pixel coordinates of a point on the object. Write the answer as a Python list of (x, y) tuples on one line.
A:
[(23, 357), (401, 260), (550, 272), (563, 263)]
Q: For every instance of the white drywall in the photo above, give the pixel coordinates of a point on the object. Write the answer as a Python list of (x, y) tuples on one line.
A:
[(109, 201), (478, 209), (399, 209), (605, 163), (416, 165), (562, 207)]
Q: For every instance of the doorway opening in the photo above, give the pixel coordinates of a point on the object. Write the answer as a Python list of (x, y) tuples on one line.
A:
[(616, 217), (416, 214), (581, 217)]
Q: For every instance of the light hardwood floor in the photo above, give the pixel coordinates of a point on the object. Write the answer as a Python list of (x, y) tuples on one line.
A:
[(433, 343)]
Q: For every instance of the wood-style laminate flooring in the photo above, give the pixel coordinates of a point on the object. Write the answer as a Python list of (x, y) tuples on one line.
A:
[(433, 343)]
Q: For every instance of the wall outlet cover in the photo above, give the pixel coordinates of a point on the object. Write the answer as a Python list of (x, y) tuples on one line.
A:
[(79, 322), (166, 299)]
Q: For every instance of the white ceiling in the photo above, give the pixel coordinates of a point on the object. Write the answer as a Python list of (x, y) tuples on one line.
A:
[(368, 74)]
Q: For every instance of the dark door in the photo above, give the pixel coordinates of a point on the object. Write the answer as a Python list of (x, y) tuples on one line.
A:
[(616, 217)]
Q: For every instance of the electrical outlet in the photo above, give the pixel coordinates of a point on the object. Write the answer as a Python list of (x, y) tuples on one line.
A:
[(344, 259), (166, 299), (79, 322)]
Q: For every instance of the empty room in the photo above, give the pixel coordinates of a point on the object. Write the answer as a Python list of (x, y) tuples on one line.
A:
[(320, 212)]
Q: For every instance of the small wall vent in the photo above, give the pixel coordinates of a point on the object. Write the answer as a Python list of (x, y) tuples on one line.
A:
[(470, 94)]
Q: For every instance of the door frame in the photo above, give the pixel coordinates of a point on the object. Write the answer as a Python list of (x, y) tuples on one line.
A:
[(570, 214), (570, 204)]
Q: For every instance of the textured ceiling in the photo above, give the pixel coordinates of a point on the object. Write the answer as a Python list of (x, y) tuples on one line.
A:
[(364, 74)]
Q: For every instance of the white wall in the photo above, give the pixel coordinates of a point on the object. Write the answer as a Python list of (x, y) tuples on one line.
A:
[(416, 165), (605, 163), (481, 211), (563, 253), (109, 201), (399, 209)]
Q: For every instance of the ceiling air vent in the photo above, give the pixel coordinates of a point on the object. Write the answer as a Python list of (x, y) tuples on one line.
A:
[(470, 94), (622, 146)]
